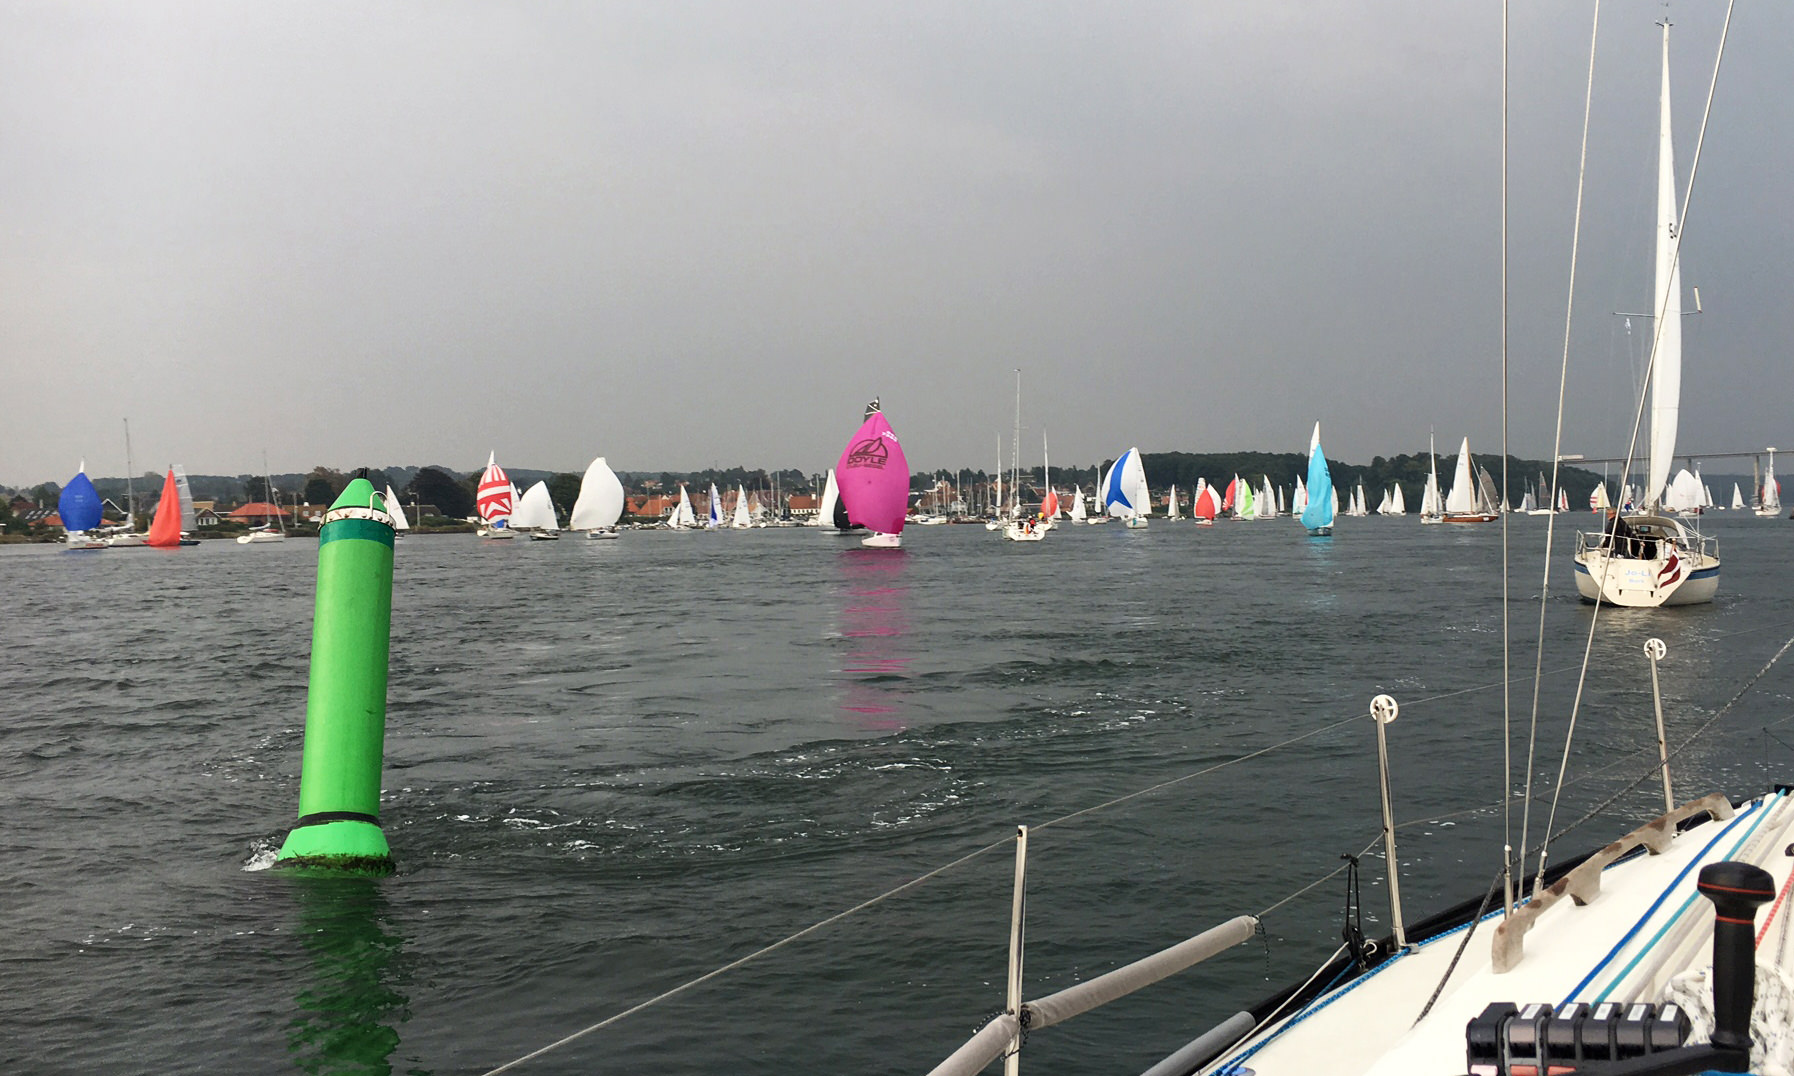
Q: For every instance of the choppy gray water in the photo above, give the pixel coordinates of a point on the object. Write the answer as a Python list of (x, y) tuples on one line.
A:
[(614, 766)]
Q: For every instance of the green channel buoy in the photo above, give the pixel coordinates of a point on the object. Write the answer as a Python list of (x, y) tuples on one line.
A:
[(345, 702)]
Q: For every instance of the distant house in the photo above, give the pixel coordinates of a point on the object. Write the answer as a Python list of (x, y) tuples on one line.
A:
[(804, 506), (259, 514), (204, 517), (652, 507)]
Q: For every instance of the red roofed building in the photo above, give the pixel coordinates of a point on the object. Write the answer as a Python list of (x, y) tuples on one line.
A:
[(258, 513)]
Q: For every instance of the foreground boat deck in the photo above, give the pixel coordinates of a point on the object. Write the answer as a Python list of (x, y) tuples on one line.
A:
[(1647, 925)]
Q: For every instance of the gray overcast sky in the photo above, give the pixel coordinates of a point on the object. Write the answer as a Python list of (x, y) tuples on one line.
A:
[(685, 234)]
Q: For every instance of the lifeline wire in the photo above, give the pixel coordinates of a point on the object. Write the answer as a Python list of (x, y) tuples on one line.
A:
[(1638, 417)]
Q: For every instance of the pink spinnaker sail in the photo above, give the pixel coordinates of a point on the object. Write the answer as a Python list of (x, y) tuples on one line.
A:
[(874, 477)]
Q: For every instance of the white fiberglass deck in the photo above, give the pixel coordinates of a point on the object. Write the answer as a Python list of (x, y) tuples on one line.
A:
[(1647, 925)]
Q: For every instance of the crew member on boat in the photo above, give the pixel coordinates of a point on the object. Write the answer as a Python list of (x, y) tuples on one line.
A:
[(1624, 541)]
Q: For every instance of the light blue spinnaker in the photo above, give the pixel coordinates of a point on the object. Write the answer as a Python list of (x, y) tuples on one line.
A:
[(1318, 516), (79, 505)]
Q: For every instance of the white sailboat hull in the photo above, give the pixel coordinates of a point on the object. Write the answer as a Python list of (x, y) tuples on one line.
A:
[(1682, 570), (1017, 532), (878, 540)]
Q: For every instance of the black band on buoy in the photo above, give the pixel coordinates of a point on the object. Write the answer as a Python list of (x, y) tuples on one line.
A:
[(324, 817)]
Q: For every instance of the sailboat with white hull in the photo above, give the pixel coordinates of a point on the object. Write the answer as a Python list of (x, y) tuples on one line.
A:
[(1653, 558)]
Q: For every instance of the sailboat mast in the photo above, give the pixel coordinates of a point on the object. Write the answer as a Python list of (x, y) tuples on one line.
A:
[(1666, 358), (1015, 447), (130, 485)]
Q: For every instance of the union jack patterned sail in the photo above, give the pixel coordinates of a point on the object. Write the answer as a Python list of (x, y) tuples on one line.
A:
[(874, 477), (495, 498)]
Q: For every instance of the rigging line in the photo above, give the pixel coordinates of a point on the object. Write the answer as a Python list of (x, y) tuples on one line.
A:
[(1675, 256), (762, 951), (1475, 921), (1532, 736), (1685, 744), (1344, 865), (1550, 524)]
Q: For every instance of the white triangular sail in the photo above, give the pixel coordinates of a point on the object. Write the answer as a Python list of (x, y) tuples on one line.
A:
[(396, 510), (600, 501), (1399, 507), (189, 522), (1772, 490), (1298, 501), (1463, 496), (1171, 505), (741, 517), (1737, 498), (831, 493), (1077, 505), (682, 515)]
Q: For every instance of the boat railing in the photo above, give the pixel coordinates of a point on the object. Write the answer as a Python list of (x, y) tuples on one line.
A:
[(991, 1040), (1690, 543)]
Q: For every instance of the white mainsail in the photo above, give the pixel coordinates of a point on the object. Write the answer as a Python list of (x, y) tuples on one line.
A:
[(1666, 364), (1463, 496), (1171, 505), (742, 517), (1399, 507), (1077, 505), (600, 501), (1772, 490), (682, 515), (189, 522), (831, 493), (1737, 498), (1298, 501)]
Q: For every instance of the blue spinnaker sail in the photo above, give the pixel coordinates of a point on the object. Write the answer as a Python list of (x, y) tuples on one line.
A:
[(1115, 492), (79, 505), (1319, 512)]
